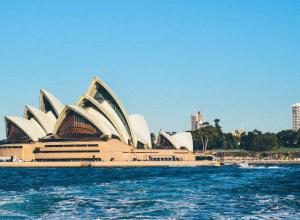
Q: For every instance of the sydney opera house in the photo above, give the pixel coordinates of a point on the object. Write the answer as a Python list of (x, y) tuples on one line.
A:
[(97, 128)]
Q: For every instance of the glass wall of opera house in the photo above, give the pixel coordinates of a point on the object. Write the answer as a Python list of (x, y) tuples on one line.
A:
[(96, 129)]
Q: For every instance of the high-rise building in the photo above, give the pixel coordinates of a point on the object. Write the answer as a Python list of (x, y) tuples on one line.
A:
[(197, 121), (296, 116)]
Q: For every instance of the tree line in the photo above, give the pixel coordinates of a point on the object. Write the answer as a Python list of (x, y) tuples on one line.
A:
[(210, 137)]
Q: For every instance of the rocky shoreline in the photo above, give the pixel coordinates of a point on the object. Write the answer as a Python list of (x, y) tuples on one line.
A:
[(257, 157), (259, 162)]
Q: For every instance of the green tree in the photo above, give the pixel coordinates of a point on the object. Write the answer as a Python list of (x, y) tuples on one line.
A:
[(298, 140), (257, 141), (287, 138), (247, 140), (270, 141), (217, 124), (206, 138), (230, 141)]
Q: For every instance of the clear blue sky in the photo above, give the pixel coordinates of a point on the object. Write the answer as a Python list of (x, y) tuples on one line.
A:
[(235, 60)]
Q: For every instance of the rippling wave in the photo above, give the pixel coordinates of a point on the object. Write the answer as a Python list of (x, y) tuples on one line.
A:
[(262, 192)]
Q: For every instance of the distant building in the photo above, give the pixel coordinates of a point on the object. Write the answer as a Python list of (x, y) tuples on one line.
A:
[(296, 116), (197, 121)]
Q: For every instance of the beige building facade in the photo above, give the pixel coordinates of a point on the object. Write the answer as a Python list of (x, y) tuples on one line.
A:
[(90, 151), (197, 121), (96, 129)]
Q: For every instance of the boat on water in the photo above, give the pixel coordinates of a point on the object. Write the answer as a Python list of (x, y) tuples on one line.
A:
[(245, 165)]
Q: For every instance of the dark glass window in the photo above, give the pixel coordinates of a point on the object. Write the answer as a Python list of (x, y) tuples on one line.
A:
[(101, 95), (14, 133), (165, 143), (76, 126), (48, 107), (29, 115), (204, 158), (140, 145)]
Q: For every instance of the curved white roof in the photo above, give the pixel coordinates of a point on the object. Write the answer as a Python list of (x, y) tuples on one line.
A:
[(182, 139), (55, 102), (92, 91), (141, 129), (168, 137), (30, 127), (98, 116), (51, 116), (45, 121), (87, 115), (109, 113)]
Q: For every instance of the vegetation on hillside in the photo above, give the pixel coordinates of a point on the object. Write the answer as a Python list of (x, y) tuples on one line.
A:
[(211, 137)]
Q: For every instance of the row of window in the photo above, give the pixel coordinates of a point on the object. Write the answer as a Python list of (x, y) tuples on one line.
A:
[(73, 145), (11, 147), (70, 160), (165, 159), (73, 151), (210, 158), (141, 152)]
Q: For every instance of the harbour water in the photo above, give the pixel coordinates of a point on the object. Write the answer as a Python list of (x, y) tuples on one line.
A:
[(227, 192)]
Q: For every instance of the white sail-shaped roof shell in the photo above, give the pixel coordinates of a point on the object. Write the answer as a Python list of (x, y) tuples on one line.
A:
[(141, 129), (55, 102), (109, 113), (182, 139), (93, 90), (168, 137), (44, 120), (29, 127), (87, 115), (99, 117)]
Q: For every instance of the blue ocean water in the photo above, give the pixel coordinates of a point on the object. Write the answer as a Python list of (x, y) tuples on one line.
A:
[(225, 192)]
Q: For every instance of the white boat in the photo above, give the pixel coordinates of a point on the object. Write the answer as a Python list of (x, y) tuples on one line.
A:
[(5, 159), (10, 159), (245, 165)]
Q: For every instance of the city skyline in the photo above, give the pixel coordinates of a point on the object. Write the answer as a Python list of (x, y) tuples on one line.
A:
[(235, 61)]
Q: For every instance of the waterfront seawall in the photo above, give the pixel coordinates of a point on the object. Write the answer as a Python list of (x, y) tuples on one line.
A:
[(112, 164)]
